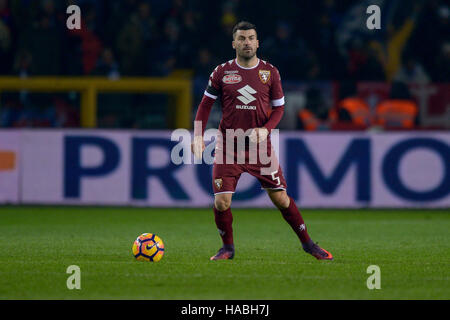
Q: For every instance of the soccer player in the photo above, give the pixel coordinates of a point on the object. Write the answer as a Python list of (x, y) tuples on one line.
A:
[(252, 100)]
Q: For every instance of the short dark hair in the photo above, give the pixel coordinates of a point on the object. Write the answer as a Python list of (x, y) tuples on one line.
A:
[(243, 25)]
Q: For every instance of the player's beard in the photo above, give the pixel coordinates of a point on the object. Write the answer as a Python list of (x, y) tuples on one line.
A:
[(246, 55)]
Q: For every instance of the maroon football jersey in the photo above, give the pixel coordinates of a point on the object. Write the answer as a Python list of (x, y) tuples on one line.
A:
[(247, 94)]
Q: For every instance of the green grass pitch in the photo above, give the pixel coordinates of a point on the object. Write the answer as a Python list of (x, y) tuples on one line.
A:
[(37, 244)]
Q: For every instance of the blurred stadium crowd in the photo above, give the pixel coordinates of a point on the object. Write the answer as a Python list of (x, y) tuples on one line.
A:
[(309, 41)]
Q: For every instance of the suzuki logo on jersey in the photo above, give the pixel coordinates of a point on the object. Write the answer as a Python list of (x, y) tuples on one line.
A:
[(246, 92), (240, 107)]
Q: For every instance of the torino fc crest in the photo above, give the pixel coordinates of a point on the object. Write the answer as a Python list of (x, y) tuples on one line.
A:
[(264, 75), (218, 183)]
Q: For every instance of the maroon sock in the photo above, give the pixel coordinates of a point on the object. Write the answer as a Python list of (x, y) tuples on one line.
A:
[(295, 220), (224, 220)]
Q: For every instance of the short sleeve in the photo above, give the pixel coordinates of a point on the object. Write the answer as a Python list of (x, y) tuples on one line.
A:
[(214, 86), (276, 90)]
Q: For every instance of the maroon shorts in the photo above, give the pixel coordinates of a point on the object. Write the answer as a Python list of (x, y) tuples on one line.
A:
[(226, 177)]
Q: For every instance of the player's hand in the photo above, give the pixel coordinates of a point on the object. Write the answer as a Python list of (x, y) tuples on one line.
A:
[(198, 146), (259, 135)]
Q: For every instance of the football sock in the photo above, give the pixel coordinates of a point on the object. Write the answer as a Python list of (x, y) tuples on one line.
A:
[(294, 218), (224, 220)]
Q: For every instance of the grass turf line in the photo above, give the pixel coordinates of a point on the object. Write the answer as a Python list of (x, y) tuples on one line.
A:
[(37, 244)]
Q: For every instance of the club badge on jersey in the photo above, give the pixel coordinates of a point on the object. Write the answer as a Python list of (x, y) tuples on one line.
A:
[(264, 76), (218, 183)]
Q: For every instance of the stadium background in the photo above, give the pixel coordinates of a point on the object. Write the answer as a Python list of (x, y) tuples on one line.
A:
[(313, 44), (86, 118), (143, 65)]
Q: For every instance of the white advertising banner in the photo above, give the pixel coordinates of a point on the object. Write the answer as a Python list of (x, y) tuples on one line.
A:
[(333, 170), (411, 170), (9, 166), (69, 167), (368, 170)]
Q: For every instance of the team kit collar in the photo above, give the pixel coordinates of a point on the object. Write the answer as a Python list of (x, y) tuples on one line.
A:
[(256, 65)]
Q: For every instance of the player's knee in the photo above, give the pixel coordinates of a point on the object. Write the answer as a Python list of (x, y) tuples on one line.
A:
[(280, 199), (222, 204)]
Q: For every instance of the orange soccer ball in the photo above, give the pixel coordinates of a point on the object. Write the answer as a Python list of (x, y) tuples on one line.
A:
[(148, 247)]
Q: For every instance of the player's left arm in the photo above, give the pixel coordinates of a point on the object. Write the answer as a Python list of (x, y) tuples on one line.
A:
[(277, 102)]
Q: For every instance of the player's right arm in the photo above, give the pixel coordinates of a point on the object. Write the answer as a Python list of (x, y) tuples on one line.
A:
[(210, 95)]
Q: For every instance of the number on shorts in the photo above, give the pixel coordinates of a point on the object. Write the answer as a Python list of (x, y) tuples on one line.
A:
[(277, 179)]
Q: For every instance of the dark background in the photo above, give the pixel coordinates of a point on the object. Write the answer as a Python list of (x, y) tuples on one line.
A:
[(308, 41)]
